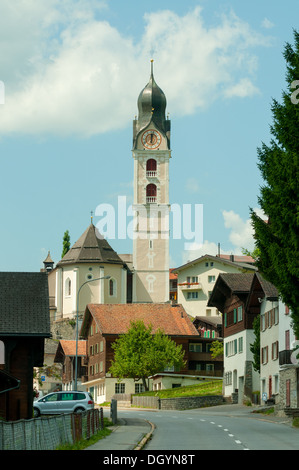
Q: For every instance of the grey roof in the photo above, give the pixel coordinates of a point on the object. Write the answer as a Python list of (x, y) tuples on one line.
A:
[(269, 289), (91, 248), (241, 266), (24, 304), (238, 282)]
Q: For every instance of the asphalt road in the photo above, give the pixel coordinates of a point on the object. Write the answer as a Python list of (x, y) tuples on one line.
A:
[(217, 428)]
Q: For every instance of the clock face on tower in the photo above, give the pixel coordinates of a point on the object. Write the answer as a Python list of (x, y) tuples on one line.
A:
[(151, 139)]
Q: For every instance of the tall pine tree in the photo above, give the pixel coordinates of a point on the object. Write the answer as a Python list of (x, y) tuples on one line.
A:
[(277, 238), (66, 243)]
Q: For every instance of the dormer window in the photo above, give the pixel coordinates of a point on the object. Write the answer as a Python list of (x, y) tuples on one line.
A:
[(151, 193), (151, 168)]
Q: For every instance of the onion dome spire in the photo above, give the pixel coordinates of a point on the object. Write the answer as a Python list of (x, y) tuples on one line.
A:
[(151, 106)]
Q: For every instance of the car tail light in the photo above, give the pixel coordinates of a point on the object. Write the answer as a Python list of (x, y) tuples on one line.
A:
[(90, 402)]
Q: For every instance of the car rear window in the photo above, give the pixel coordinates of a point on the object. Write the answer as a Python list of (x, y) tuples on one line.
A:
[(81, 396)]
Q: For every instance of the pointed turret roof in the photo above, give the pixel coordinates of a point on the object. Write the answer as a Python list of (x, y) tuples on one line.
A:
[(48, 259), (91, 247)]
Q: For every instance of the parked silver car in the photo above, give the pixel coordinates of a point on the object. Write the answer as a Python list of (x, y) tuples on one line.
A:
[(63, 402)]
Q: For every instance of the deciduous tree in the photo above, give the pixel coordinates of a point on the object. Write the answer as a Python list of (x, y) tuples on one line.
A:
[(140, 353)]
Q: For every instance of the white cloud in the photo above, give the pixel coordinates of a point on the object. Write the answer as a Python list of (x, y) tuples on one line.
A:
[(197, 250), (267, 23), (68, 72), (192, 185), (240, 236), (242, 89)]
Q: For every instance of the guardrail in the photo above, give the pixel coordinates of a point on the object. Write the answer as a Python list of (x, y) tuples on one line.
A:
[(48, 432)]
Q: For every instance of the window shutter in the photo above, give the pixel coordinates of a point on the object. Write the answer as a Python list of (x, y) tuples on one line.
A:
[(235, 315)]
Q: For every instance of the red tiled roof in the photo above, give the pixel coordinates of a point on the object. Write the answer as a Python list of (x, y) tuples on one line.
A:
[(172, 275), (117, 318), (69, 347)]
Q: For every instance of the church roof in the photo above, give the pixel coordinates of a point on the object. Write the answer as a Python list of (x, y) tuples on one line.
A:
[(152, 104), (48, 259), (90, 248), (151, 109)]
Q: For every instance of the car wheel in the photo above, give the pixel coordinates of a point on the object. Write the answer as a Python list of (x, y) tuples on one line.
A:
[(36, 412), (79, 410)]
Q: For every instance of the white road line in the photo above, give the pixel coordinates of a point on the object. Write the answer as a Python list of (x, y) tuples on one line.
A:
[(238, 442)]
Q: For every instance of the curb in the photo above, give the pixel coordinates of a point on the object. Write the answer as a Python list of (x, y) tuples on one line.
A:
[(146, 438)]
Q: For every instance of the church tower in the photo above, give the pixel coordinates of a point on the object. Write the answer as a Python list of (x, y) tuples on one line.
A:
[(151, 153)]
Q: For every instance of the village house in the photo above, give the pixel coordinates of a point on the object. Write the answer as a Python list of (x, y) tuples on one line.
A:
[(229, 296), (197, 278), (103, 324), (279, 376), (24, 326), (66, 355)]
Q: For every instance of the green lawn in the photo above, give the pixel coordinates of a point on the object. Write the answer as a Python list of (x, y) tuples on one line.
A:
[(202, 389)]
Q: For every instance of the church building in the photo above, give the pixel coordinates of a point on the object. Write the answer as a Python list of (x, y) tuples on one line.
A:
[(119, 279), (151, 154)]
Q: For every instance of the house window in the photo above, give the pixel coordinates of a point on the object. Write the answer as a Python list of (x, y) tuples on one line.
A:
[(228, 376), (192, 295), (211, 278), (275, 350), (276, 315), (151, 193), (263, 323), (120, 388), (265, 355), (240, 340), (287, 339), (139, 388), (195, 347)]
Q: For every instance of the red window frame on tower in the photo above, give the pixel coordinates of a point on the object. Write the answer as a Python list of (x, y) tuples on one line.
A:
[(151, 193), (151, 168)]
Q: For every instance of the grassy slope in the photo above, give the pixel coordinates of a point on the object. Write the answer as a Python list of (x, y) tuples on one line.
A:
[(202, 389)]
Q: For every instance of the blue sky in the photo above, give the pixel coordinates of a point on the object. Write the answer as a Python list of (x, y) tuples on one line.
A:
[(73, 71)]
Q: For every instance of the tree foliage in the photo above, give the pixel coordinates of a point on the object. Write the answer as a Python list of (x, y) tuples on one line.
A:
[(66, 243), (255, 346), (216, 349), (139, 353), (277, 238)]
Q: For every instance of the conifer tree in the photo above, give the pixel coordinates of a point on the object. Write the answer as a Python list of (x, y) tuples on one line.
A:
[(66, 243), (277, 237)]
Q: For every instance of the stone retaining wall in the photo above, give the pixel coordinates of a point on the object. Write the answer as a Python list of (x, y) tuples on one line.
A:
[(180, 403), (187, 403)]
